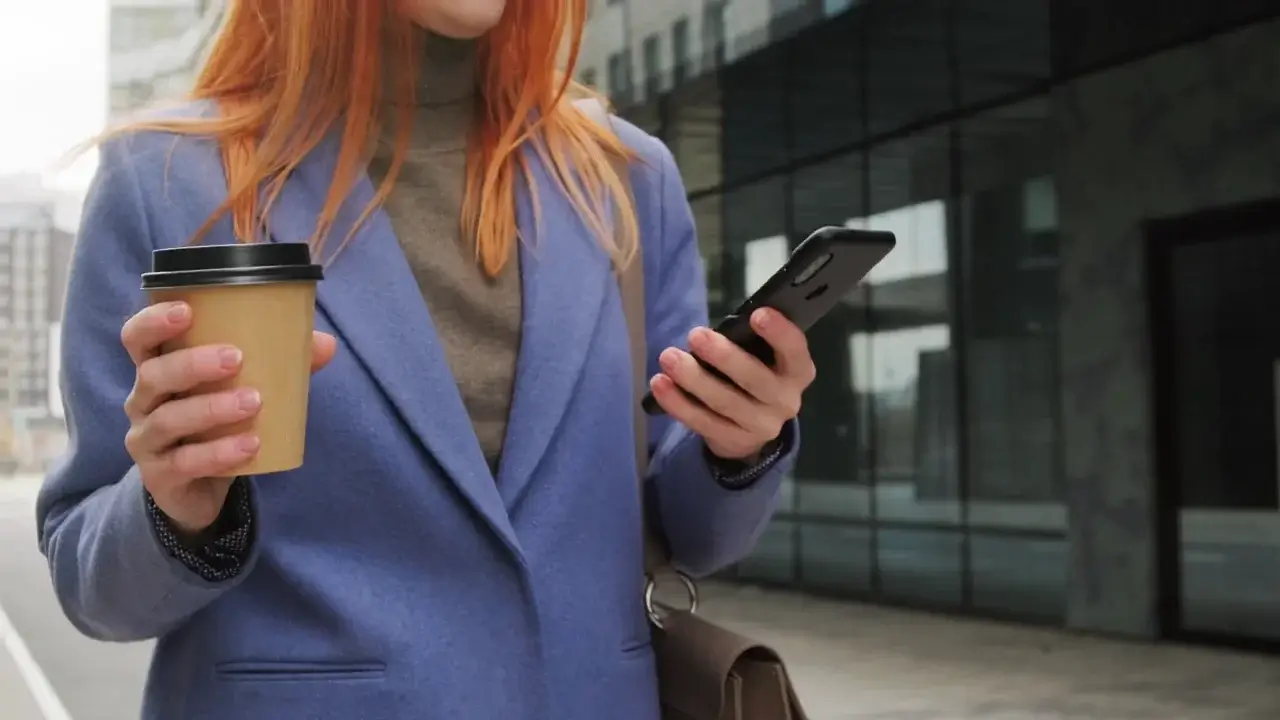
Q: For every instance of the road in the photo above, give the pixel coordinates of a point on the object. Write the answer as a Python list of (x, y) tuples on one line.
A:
[(90, 680)]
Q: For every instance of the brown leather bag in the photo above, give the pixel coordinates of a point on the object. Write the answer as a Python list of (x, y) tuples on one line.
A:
[(705, 671)]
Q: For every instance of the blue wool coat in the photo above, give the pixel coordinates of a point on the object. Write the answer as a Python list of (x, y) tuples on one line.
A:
[(393, 576)]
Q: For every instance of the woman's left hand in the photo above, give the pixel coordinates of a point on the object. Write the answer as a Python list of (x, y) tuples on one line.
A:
[(737, 423)]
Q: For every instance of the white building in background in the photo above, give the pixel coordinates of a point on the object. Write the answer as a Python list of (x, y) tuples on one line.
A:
[(37, 229), (155, 49)]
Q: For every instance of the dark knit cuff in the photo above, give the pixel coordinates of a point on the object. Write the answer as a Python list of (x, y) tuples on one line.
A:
[(740, 475), (220, 552)]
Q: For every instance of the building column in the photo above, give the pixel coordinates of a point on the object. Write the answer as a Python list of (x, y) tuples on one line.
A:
[(1183, 131)]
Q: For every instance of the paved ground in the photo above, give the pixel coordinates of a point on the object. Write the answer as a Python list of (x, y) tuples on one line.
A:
[(852, 662), (91, 680), (855, 662)]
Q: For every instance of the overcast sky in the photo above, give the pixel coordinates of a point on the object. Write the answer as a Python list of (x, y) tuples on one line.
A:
[(53, 76)]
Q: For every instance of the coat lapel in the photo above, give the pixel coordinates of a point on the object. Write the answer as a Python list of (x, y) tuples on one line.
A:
[(372, 299), (566, 276)]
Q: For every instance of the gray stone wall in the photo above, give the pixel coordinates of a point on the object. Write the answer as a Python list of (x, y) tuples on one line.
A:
[(1187, 130)]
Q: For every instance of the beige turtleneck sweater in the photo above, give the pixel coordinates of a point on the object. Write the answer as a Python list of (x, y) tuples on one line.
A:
[(477, 318)]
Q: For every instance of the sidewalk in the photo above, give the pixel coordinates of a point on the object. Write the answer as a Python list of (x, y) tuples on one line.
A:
[(16, 702), (873, 663)]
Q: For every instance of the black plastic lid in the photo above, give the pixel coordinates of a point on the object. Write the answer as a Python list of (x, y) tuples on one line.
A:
[(248, 264)]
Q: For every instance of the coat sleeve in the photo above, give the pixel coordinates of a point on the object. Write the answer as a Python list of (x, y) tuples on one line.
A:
[(708, 525), (111, 574)]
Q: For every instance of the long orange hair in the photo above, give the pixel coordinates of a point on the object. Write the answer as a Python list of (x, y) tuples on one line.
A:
[(286, 74)]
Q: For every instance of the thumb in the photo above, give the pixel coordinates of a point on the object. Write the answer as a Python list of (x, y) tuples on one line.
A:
[(323, 346)]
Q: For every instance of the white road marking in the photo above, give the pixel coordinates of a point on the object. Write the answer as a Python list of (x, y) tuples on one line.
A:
[(37, 684)]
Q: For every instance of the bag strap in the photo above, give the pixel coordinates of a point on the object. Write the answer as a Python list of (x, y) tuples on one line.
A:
[(631, 286)]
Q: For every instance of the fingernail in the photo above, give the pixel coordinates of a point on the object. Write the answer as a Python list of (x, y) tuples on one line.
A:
[(669, 358), (248, 443), (249, 399), (231, 357), (699, 338), (178, 312), (762, 317)]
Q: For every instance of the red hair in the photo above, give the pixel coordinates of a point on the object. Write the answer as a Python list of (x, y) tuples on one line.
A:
[(285, 74)]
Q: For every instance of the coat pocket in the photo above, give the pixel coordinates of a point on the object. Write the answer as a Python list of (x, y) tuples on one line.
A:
[(292, 671)]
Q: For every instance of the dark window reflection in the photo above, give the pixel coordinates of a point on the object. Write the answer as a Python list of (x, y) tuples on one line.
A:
[(832, 471), (708, 217), (755, 114), (1094, 33), (905, 368), (680, 70), (1002, 47), (713, 33), (907, 69), (773, 560), (790, 16), (833, 476), (652, 68), (694, 131), (825, 87), (1226, 347), (1009, 253), (909, 370), (754, 214), (834, 7), (920, 566), (619, 79), (836, 558)]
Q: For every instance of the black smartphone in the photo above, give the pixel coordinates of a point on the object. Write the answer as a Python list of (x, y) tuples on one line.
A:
[(821, 271)]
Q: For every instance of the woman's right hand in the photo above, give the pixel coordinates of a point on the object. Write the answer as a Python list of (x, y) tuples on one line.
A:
[(188, 482)]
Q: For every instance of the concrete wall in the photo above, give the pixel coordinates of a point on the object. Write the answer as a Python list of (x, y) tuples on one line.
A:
[(1186, 130)]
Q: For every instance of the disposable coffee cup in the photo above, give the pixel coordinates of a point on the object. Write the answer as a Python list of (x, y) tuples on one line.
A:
[(261, 299)]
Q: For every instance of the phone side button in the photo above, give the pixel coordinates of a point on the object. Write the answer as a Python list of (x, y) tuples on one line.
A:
[(727, 322), (650, 405)]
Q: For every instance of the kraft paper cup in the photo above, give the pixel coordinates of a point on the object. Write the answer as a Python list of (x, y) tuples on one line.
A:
[(261, 299)]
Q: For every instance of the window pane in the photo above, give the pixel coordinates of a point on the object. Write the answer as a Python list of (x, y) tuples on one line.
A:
[(1009, 254), (836, 558), (763, 257), (755, 126), (1002, 47), (709, 219), (713, 34), (787, 17), (910, 376), (832, 474), (908, 73), (1021, 576), (921, 566), (751, 212), (681, 70), (1091, 33), (773, 558), (825, 88), (652, 68), (693, 132), (1226, 346)]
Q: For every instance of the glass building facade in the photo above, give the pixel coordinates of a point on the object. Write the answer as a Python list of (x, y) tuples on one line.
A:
[(1057, 399)]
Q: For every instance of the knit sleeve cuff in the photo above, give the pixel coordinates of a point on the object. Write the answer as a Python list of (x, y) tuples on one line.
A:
[(220, 552)]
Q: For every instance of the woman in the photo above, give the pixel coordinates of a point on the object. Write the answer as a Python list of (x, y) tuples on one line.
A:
[(463, 540)]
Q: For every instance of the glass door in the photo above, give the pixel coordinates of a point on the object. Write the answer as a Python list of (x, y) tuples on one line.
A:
[(1216, 322)]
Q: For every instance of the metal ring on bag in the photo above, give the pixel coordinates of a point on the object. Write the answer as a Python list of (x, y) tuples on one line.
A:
[(650, 607)]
